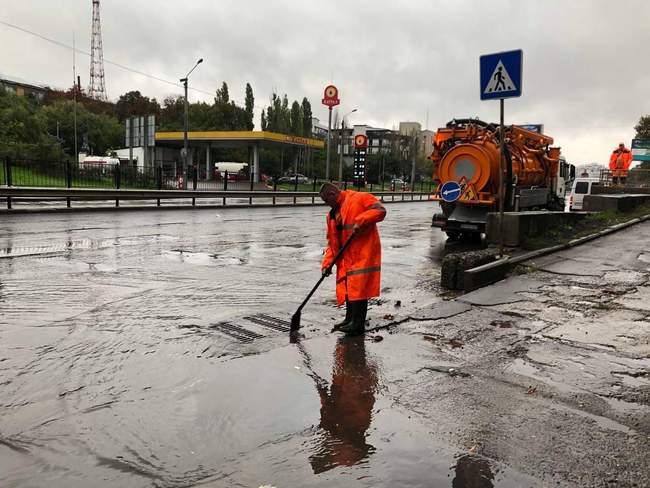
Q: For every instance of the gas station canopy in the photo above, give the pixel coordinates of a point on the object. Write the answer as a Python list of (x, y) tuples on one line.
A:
[(237, 139)]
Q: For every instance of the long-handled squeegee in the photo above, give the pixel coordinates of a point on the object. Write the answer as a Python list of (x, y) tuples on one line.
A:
[(295, 320)]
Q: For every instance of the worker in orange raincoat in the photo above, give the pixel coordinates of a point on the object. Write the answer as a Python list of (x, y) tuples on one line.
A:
[(358, 271), (619, 163)]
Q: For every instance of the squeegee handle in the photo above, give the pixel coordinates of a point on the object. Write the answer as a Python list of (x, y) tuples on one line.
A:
[(329, 268), (340, 253)]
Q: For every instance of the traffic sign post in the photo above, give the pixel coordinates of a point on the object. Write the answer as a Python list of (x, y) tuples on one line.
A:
[(501, 77), (450, 191), (330, 99)]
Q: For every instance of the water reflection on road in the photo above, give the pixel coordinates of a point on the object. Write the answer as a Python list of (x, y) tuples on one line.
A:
[(346, 407)]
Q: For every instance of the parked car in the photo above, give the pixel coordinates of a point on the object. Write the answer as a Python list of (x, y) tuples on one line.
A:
[(398, 184), (581, 187), (302, 179)]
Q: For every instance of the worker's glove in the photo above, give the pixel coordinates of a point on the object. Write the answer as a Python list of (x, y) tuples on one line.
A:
[(327, 272)]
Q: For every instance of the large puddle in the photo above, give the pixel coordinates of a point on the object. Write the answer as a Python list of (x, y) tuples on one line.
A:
[(320, 412), (118, 366)]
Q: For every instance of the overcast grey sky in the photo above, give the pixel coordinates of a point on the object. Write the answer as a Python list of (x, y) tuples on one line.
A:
[(586, 62)]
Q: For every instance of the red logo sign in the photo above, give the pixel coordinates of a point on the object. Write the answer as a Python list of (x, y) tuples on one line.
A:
[(331, 96), (360, 141)]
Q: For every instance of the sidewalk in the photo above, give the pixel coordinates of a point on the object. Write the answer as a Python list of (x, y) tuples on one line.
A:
[(548, 371)]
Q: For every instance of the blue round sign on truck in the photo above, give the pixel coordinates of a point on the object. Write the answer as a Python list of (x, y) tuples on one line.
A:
[(450, 191)]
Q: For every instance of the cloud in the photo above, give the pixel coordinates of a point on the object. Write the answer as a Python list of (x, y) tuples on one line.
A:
[(585, 76)]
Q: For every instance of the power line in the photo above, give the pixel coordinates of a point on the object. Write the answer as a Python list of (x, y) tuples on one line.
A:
[(86, 53), (107, 61)]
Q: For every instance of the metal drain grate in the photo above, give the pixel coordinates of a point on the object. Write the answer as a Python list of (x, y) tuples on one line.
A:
[(270, 322), (237, 332)]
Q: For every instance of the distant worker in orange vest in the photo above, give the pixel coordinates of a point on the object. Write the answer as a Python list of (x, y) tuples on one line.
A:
[(619, 163), (358, 271)]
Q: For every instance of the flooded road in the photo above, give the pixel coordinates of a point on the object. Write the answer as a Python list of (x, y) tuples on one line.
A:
[(133, 353)]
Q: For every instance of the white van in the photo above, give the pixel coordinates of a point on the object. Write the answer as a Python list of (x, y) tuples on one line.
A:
[(233, 168), (581, 187)]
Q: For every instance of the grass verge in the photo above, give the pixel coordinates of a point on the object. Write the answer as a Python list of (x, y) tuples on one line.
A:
[(591, 224)]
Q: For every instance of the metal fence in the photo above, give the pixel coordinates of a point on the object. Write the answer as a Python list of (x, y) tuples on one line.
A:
[(633, 178), (167, 175)]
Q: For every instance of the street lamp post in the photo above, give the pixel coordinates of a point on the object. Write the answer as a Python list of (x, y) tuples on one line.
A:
[(341, 143), (186, 126)]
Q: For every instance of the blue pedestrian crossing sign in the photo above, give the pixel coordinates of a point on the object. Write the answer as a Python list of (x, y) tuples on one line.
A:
[(501, 75), (450, 191)]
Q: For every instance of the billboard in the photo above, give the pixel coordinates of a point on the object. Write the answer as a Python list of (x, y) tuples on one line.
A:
[(539, 128), (140, 131)]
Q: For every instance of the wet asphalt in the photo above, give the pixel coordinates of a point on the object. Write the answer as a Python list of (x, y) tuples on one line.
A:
[(117, 369), (150, 349)]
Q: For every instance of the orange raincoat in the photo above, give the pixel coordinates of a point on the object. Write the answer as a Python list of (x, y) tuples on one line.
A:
[(358, 271), (619, 162)]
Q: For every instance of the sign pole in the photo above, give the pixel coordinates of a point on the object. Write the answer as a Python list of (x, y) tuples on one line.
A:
[(329, 129), (502, 179), (500, 78), (330, 99)]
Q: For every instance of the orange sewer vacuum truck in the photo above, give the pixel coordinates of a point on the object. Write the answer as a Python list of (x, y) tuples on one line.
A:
[(466, 151)]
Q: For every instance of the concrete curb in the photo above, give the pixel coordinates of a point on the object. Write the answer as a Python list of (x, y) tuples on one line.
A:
[(497, 270)]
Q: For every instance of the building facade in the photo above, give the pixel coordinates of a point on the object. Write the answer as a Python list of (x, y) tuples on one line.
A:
[(22, 88)]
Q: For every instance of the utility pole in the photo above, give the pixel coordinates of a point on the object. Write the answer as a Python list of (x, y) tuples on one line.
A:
[(74, 97), (415, 150), (186, 152), (341, 143), (186, 124)]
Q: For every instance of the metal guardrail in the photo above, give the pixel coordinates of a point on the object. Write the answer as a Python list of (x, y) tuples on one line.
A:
[(632, 178), (100, 194)]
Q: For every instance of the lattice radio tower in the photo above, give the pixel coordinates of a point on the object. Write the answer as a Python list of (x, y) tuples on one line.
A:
[(97, 88)]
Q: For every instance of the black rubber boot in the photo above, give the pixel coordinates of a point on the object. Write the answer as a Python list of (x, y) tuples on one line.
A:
[(347, 320), (358, 324)]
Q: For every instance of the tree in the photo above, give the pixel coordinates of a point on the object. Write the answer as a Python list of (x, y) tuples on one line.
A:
[(278, 116), (296, 119), (172, 113), (200, 116), (274, 113), (222, 94), (263, 120), (285, 114), (133, 103), (23, 133), (643, 128), (227, 115), (91, 104), (306, 118), (102, 132), (249, 106)]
